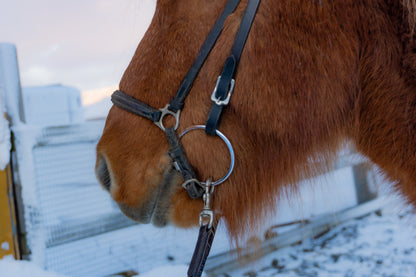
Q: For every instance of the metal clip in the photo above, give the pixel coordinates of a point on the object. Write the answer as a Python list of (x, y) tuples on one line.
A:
[(206, 217), (165, 111), (218, 101)]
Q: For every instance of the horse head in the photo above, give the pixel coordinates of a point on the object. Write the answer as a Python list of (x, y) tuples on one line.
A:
[(311, 76)]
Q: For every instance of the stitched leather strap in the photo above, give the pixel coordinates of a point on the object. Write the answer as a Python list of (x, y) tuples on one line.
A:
[(177, 154), (230, 66), (202, 248), (177, 102), (135, 106)]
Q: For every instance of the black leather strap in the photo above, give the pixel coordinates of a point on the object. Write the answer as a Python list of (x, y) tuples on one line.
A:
[(202, 248), (177, 102), (230, 66), (214, 119), (177, 154), (135, 106)]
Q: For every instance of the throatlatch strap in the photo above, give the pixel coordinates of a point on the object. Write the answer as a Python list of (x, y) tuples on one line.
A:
[(230, 67), (202, 248), (177, 102)]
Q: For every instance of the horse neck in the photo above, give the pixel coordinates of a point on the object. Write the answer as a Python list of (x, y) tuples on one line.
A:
[(386, 113)]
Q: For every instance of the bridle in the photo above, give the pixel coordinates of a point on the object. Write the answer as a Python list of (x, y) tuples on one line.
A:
[(220, 99)]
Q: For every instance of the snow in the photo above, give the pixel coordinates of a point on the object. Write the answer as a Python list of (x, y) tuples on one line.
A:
[(171, 271), (376, 245), (5, 144), (10, 83), (380, 244), (11, 268), (6, 81), (26, 137), (5, 246)]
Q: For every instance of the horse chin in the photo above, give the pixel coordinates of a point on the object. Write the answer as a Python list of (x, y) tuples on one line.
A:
[(157, 208)]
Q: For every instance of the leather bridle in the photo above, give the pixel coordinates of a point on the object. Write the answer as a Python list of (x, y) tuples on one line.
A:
[(220, 98)]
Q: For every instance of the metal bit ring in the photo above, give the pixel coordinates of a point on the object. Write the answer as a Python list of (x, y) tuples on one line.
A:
[(230, 149)]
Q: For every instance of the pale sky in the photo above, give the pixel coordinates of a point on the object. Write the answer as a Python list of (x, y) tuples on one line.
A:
[(82, 43)]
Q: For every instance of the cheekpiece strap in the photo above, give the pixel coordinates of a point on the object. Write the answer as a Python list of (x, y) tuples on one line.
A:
[(177, 154), (225, 84)]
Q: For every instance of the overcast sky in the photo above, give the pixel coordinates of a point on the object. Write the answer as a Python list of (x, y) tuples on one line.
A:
[(82, 43)]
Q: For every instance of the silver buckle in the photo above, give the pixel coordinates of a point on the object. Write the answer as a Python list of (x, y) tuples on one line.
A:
[(218, 101), (165, 111)]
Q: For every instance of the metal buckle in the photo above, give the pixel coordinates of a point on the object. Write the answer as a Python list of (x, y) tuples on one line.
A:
[(218, 101), (165, 111)]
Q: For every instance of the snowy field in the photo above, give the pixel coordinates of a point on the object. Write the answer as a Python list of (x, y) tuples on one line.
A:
[(380, 244)]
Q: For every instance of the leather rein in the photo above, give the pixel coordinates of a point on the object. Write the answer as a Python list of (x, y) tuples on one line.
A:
[(220, 98)]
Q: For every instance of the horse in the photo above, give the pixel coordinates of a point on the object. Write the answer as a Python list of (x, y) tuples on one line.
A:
[(313, 76)]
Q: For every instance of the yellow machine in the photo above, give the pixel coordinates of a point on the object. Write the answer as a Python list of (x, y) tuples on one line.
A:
[(8, 226)]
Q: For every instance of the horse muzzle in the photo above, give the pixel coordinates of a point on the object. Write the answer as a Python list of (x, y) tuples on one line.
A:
[(153, 207)]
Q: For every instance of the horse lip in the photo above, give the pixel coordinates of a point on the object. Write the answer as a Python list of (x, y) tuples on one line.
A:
[(156, 209), (162, 201)]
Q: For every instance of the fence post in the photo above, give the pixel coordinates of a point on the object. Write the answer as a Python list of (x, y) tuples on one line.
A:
[(9, 243), (364, 192)]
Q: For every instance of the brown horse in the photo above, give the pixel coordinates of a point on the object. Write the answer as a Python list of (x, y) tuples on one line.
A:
[(313, 75)]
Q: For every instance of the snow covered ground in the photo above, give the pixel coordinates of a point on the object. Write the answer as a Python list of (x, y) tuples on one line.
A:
[(11, 268), (375, 245)]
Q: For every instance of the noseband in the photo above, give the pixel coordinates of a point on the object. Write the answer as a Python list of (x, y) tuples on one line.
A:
[(220, 99)]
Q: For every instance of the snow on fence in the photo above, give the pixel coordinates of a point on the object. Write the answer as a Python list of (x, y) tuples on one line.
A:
[(8, 83), (68, 224)]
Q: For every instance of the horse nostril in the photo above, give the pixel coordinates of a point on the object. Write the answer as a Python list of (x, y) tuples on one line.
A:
[(103, 174)]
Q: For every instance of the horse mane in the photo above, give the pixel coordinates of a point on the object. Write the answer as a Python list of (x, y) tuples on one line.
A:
[(410, 6), (403, 17)]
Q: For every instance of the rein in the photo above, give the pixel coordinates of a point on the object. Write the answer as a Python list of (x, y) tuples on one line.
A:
[(220, 98)]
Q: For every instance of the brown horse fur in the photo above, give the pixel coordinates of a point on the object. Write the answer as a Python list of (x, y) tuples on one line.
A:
[(313, 75)]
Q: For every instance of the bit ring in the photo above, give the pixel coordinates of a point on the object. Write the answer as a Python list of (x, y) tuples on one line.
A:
[(227, 143)]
